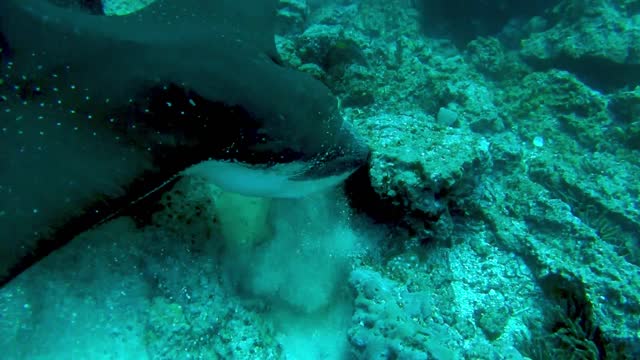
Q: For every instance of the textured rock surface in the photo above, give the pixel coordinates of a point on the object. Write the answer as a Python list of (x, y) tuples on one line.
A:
[(391, 322), (425, 170), (604, 29), (597, 40), (516, 185), (156, 301), (535, 164)]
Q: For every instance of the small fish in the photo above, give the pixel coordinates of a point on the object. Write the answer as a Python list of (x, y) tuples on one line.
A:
[(97, 112)]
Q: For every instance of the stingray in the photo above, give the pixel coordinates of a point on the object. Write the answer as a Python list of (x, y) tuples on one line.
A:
[(98, 112)]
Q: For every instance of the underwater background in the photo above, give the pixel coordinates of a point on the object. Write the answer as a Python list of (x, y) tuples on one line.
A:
[(498, 216)]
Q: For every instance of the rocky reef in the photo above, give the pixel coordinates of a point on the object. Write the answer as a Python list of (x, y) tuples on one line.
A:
[(498, 216)]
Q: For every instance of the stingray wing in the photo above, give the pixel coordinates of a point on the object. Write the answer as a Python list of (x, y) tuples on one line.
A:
[(76, 143)]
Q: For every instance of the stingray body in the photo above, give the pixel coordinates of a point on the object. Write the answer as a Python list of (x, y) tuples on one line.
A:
[(96, 112)]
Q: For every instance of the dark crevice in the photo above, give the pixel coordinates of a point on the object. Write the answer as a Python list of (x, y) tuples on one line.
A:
[(363, 197), (572, 323), (462, 21), (600, 74)]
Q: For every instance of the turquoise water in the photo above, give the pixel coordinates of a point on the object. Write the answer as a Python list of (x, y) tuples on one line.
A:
[(491, 209)]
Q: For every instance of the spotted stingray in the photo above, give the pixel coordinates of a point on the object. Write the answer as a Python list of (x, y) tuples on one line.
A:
[(97, 112)]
